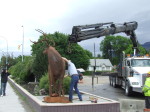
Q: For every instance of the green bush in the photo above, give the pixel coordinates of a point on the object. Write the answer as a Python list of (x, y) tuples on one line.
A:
[(44, 83), (66, 83), (88, 73), (22, 71)]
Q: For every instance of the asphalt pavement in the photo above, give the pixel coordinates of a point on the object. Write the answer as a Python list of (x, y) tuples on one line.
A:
[(102, 88)]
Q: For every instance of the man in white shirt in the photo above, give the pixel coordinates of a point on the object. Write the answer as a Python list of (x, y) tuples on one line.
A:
[(72, 71)]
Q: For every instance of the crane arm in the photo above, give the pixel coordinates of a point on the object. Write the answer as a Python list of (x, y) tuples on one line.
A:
[(84, 32)]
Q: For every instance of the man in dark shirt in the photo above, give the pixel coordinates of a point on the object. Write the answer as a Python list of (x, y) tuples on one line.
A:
[(4, 78)]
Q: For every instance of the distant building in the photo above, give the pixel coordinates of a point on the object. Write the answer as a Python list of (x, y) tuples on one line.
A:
[(101, 65)]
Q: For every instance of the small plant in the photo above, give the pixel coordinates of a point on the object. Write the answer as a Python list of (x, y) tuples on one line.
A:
[(36, 90), (87, 73), (66, 83), (44, 83)]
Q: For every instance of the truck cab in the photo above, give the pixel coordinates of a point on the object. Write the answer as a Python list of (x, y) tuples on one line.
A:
[(134, 71)]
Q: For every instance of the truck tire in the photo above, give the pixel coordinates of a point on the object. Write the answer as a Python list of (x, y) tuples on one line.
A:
[(128, 89)]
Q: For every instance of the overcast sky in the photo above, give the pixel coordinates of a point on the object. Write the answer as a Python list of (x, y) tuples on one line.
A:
[(62, 15)]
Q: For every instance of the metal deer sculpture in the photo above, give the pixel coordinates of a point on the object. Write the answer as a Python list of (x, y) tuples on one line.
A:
[(56, 69)]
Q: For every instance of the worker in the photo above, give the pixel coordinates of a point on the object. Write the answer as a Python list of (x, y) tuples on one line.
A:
[(72, 72), (146, 91)]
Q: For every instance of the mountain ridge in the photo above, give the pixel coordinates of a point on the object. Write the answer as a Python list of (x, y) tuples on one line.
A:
[(146, 45)]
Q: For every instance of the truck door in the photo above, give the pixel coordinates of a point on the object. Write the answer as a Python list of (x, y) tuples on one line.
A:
[(123, 67), (127, 68)]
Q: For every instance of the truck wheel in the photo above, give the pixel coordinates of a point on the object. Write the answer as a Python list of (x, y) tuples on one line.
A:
[(128, 89)]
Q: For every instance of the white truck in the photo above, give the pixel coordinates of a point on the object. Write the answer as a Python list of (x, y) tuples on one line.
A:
[(131, 73), (132, 70)]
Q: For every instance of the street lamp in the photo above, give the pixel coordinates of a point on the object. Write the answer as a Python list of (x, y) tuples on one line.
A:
[(22, 42), (7, 50)]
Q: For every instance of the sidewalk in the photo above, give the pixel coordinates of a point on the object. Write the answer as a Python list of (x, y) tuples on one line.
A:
[(11, 102)]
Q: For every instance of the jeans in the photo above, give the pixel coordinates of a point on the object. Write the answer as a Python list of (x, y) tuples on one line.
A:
[(74, 84), (147, 102), (3, 89)]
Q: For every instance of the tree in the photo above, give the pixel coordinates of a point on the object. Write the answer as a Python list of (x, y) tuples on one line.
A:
[(112, 47), (23, 71), (141, 50), (88, 53), (99, 55), (78, 55), (10, 62)]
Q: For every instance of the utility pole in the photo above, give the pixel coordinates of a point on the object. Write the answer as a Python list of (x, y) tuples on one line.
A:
[(93, 75), (22, 41)]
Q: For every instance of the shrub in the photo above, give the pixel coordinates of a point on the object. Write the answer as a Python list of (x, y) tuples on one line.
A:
[(22, 71), (44, 83), (66, 83), (88, 73)]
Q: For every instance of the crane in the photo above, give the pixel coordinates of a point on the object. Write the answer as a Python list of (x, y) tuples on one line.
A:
[(84, 32)]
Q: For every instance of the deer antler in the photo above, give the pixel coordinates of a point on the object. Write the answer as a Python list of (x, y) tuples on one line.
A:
[(33, 42), (46, 40), (45, 36), (41, 32)]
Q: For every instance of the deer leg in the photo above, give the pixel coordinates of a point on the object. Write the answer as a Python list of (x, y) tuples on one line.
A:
[(51, 81), (55, 89), (59, 88), (61, 92), (50, 88)]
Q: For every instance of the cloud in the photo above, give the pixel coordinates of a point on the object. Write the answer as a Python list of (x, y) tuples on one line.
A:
[(62, 15)]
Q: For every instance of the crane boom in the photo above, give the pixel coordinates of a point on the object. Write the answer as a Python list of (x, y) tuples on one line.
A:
[(84, 32)]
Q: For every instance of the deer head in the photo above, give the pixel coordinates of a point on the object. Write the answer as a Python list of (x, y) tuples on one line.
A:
[(44, 39), (40, 41)]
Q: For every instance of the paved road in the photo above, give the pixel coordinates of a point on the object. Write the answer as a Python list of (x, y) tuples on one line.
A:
[(12, 102), (103, 89)]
